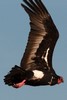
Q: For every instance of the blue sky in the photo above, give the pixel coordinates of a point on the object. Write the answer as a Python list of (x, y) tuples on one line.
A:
[(14, 29)]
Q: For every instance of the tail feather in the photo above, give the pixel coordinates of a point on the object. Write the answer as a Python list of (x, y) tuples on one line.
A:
[(16, 75)]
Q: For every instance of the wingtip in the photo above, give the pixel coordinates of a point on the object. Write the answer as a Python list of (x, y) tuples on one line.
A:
[(22, 5)]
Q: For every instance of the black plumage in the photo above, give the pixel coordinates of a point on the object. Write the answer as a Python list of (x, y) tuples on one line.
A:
[(36, 64)]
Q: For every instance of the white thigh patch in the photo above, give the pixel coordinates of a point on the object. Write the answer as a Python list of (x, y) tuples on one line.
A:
[(38, 74)]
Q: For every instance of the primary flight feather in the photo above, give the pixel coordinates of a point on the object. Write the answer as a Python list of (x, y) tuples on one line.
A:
[(36, 64)]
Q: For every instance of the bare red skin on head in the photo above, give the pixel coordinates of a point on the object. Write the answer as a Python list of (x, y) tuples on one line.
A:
[(18, 85), (60, 80)]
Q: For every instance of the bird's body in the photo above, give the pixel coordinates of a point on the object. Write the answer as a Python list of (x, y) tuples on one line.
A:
[(36, 65)]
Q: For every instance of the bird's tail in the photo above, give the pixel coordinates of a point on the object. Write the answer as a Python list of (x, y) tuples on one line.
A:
[(16, 75)]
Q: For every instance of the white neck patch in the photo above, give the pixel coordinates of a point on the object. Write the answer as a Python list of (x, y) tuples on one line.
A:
[(38, 74)]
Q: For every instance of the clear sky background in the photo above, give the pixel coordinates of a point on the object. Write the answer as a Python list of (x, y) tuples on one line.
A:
[(14, 29)]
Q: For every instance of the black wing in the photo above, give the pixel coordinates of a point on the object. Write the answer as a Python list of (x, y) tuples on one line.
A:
[(42, 37)]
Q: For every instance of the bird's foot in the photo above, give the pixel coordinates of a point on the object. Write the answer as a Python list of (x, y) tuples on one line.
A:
[(18, 85)]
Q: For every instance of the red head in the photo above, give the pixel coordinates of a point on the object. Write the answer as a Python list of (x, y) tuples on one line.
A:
[(60, 80)]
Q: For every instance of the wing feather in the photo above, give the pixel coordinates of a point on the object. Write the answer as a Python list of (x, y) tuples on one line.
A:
[(43, 34)]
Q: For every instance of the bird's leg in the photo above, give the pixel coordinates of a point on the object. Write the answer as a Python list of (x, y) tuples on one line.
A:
[(18, 85)]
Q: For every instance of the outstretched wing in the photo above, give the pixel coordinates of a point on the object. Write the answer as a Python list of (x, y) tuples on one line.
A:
[(42, 37)]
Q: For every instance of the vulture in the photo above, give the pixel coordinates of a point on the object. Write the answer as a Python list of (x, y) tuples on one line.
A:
[(36, 68)]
